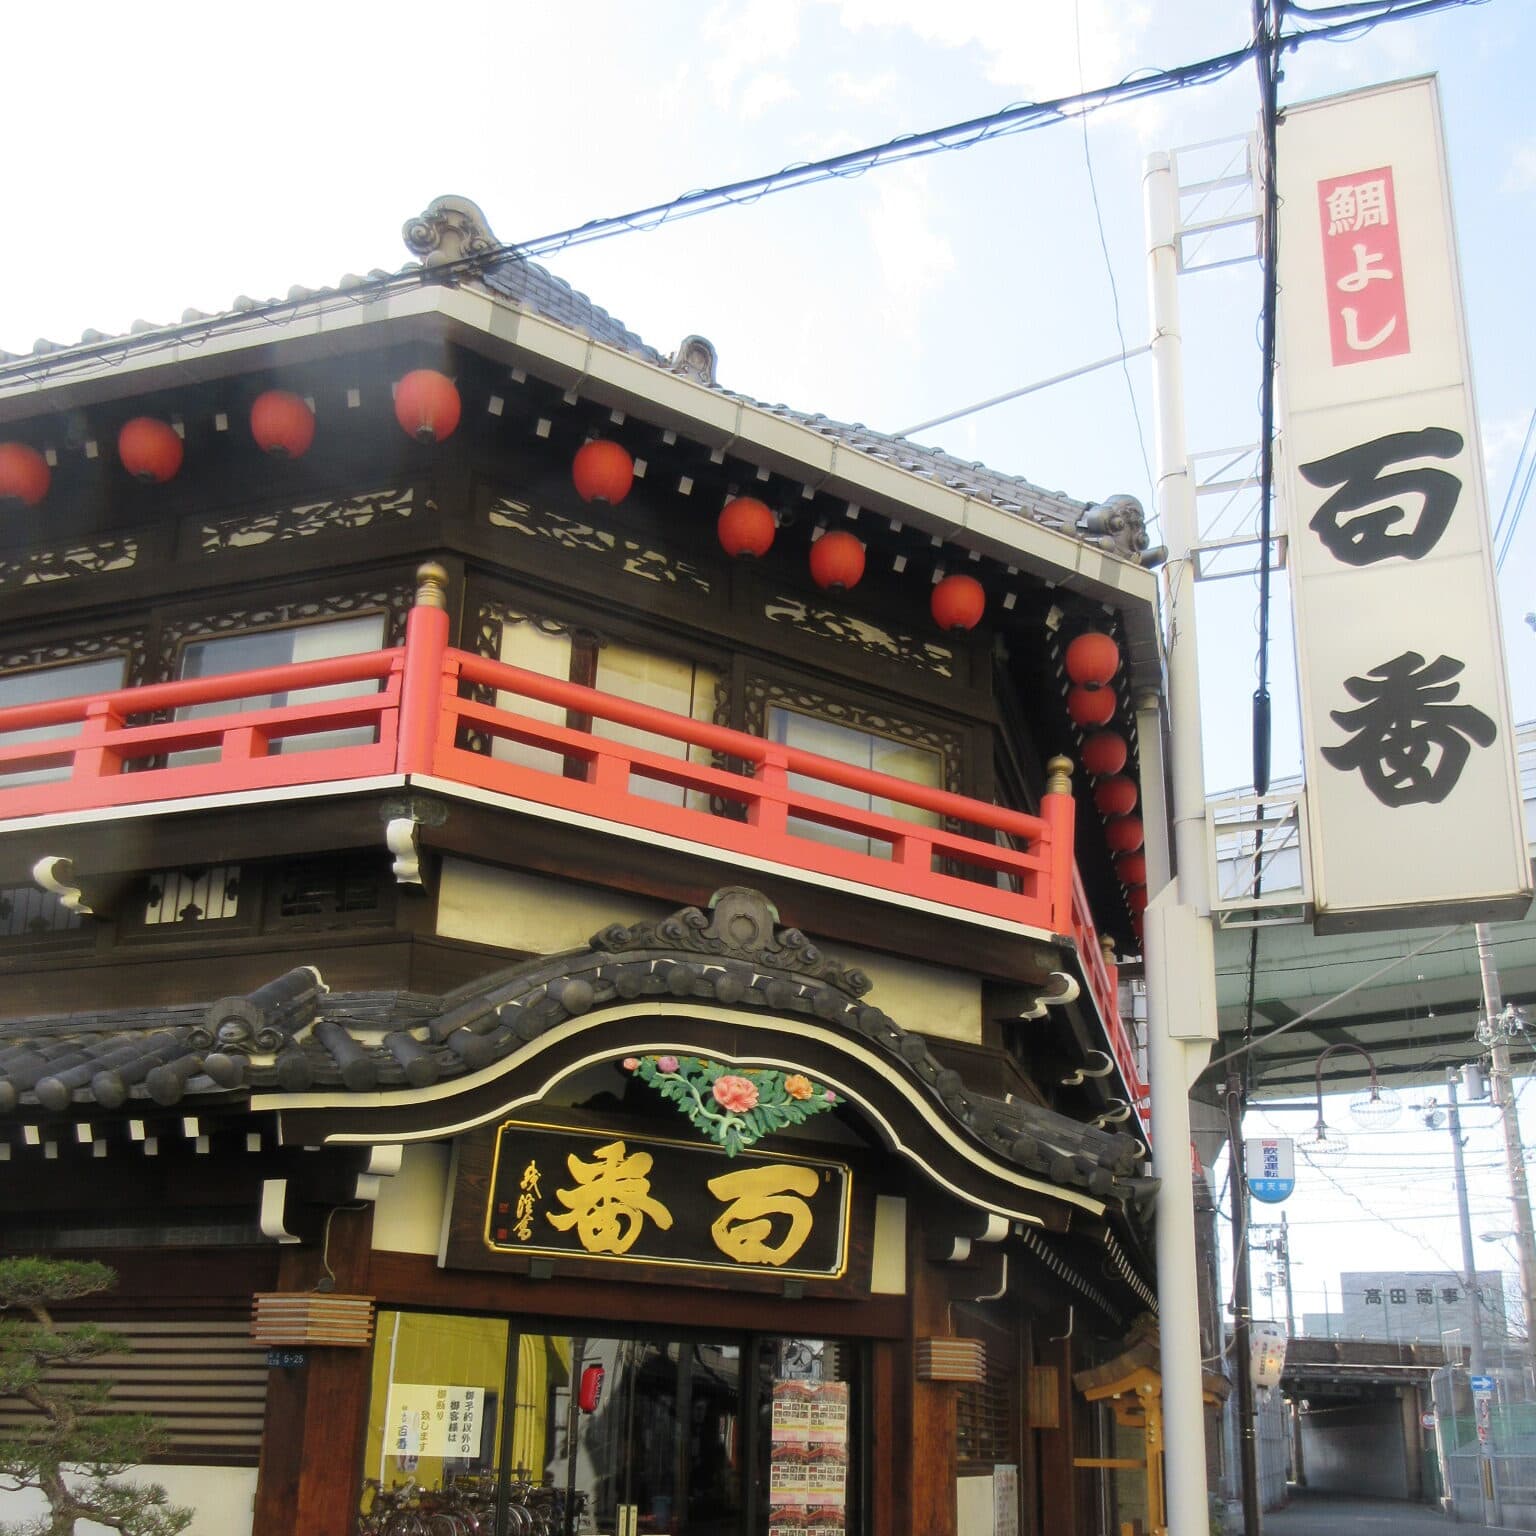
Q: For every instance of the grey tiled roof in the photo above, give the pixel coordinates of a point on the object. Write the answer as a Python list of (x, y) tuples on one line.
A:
[(452, 231), (536, 288), (294, 1036)]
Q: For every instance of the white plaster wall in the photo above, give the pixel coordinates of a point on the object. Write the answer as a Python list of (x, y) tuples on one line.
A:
[(974, 1497), (222, 1497), (408, 1215), (924, 998), (888, 1276), (529, 912)]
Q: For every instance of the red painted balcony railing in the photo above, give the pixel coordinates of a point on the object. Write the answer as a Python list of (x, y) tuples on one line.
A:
[(756, 799)]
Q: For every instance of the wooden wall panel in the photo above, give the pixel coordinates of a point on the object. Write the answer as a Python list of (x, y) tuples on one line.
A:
[(312, 1447)]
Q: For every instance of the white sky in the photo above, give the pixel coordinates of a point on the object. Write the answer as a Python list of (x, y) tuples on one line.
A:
[(164, 156), (1390, 1204)]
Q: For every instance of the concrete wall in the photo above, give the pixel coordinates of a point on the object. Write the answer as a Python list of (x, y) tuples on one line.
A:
[(1271, 1450), (1357, 1449)]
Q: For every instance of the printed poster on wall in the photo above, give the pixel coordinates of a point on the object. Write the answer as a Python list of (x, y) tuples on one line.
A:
[(808, 1459), (1005, 1501), (1413, 801), (429, 1420)]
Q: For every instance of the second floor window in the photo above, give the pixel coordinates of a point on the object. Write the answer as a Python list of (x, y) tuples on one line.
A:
[(44, 684), (671, 683), (259, 649), (861, 749)]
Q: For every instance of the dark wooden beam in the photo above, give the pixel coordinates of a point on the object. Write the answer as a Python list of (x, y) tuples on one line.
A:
[(317, 1414)]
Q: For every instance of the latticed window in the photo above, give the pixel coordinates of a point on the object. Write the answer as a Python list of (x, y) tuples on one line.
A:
[(29, 913), (209, 894), (984, 1430), (313, 890)]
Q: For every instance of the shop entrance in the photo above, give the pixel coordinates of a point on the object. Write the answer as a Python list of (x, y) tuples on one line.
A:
[(484, 1428), (651, 1439)]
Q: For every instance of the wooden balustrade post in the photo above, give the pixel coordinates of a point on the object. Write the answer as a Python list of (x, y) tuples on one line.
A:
[(1111, 969), (94, 756), (1059, 812), (768, 811), (421, 682)]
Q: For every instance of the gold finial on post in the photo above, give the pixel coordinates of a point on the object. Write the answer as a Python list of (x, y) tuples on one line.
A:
[(1107, 948), (1059, 776), (431, 585)]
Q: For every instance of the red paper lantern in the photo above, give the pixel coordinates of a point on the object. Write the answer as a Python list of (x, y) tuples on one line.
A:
[(1104, 752), (1132, 868), (427, 405), (282, 424), (746, 528), (1092, 659), (24, 474), (1136, 900), (958, 602), (602, 471), (150, 449), (837, 562), (1115, 796), (1124, 834), (1091, 706)]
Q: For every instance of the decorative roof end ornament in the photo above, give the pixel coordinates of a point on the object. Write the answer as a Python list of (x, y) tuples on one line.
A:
[(696, 359), (451, 229), (1118, 524)]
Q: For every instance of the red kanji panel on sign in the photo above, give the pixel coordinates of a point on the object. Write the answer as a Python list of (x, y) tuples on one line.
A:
[(1362, 266)]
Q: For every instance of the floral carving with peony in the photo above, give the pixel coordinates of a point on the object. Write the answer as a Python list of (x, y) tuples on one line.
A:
[(737, 1108)]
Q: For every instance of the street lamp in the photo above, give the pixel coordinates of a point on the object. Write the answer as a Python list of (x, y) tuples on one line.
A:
[(1374, 1109), (1325, 1147)]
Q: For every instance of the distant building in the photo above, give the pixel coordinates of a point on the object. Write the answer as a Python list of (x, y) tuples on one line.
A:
[(1415, 1304)]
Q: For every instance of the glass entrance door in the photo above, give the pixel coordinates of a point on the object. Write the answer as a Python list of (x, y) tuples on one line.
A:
[(479, 1426), (636, 1437)]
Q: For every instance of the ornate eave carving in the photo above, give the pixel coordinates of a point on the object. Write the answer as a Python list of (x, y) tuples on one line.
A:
[(742, 924)]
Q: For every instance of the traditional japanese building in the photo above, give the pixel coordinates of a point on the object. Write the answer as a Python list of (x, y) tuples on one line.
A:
[(559, 923)]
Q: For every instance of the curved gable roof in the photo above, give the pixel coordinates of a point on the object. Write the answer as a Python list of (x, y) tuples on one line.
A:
[(383, 1066)]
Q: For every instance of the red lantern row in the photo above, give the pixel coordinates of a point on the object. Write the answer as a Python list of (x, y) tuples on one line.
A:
[(1092, 661), (426, 405), (746, 530)]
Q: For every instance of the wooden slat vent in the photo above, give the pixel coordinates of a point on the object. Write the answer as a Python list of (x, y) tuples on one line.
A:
[(951, 1360), (204, 1383), (309, 1317)]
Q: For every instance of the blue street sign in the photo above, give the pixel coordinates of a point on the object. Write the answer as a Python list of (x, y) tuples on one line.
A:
[(1271, 1167), (1482, 1384)]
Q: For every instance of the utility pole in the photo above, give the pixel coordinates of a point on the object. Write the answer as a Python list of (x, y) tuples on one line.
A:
[(1477, 1362), (1498, 1024), (1297, 1463), (1280, 1248), (1180, 958), (1285, 1260), (1242, 1309)]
